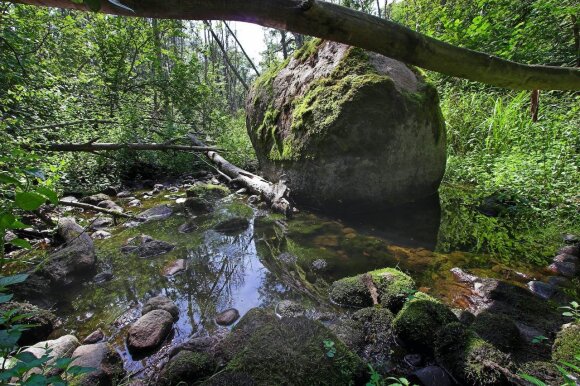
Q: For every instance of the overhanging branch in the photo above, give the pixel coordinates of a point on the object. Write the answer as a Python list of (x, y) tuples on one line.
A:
[(333, 22)]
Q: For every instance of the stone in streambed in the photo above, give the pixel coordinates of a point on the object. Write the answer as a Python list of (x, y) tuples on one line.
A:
[(565, 258), (149, 331), (227, 317), (161, 303), (42, 322), (232, 225), (573, 250), (94, 199), (566, 269), (174, 267), (156, 213), (541, 289), (111, 205), (145, 246), (101, 235), (106, 362), (94, 337)]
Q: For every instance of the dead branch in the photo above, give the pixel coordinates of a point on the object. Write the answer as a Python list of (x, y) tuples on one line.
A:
[(92, 147), (114, 213)]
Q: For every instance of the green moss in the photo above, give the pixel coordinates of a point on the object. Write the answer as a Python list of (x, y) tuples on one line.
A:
[(293, 349), (544, 371), (469, 358), (350, 292), (499, 330), (394, 287), (208, 191), (309, 48), (375, 323), (420, 319), (186, 368), (567, 344)]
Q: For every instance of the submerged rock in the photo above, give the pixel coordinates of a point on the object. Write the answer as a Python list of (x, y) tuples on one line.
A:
[(174, 267), (145, 246), (348, 128), (149, 331), (161, 303), (159, 212), (106, 362), (232, 225), (109, 204), (227, 317), (94, 337), (290, 309), (94, 199), (186, 368), (187, 227)]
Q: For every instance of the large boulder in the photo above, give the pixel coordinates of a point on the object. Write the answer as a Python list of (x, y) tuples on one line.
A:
[(149, 331), (106, 363), (62, 347), (348, 128)]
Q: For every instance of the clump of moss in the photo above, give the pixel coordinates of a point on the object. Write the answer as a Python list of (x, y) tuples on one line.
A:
[(229, 378), (567, 344), (394, 287), (420, 319), (208, 191), (292, 349), (309, 48), (42, 321), (375, 323), (499, 330), (186, 368), (470, 358), (350, 292), (545, 371)]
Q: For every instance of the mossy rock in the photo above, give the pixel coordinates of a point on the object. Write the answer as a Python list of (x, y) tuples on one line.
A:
[(274, 351), (499, 330), (42, 322), (186, 368), (420, 319), (567, 344), (469, 358), (393, 287), (207, 191), (544, 371), (348, 127), (230, 378)]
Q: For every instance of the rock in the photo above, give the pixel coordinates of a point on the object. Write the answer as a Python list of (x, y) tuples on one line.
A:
[(104, 276), (104, 359), (542, 290), (227, 317), (289, 309), (101, 235), (101, 222), (288, 258), (69, 199), (208, 192), (466, 317), (9, 236), (158, 186), (545, 371), (62, 347), (198, 205), (145, 246), (571, 239), (432, 376), (339, 122), (558, 281), (420, 319), (393, 287), (94, 199), (156, 213), (186, 368), (149, 331), (94, 337), (77, 257), (124, 194), (253, 199), (568, 270), (42, 322), (134, 203), (174, 267), (298, 353), (161, 303), (573, 250), (567, 342), (498, 330), (319, 264), (232, 225), (202, 344), (228, 378), (110, 191), (413, 360), (187, 227), (462, 352), (565, 258), (463, 276)]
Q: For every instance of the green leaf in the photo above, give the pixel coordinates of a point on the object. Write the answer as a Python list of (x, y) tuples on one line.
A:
[(14, 279), (6, 220), (26, 356), (21, 243), (567, 314), (63, 363), (50, 194), (5, 298), (29, 200), (533, 380), (78, 370), (6, 179)]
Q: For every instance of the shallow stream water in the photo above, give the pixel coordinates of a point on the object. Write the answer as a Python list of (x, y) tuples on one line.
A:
[(275, 259)]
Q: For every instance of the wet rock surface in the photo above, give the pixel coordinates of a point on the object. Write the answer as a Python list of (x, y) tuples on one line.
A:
[(227, 317), (149, 331), (232, 225), (106, 362), (161, 303), (145, 246)]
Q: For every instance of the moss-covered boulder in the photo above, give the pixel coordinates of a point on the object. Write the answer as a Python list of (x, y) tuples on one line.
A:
[(207, 191), (393, 287), (348, 128), (273, 351), (499, 330), (471, 359), (567, 344), (419, 321), (186, 368)]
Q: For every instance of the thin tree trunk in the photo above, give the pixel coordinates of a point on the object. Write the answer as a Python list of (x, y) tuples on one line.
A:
[(242, 48), (333, 22)]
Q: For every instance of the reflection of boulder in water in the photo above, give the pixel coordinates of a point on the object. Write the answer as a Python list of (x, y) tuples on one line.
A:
[(413, 225)]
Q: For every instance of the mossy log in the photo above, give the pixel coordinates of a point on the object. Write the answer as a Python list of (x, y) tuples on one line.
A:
[(341, 24)]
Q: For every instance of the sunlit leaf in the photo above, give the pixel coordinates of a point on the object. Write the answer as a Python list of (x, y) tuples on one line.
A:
[(29, 200)]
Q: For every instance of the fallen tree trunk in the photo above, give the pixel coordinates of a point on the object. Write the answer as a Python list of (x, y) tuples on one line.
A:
[(89, 147), (275, 194), (114, 213), (344, 25)]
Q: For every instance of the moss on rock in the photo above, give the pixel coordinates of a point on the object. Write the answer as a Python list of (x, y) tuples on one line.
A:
[(207, 191), (186, 368), (273, 351), (567, 343), (544, 371), (41, 321), (470, 358), (420, 319), (499, 330)]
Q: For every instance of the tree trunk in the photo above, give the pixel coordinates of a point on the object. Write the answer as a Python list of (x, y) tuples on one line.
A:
[(276, 195), (333, 22)]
